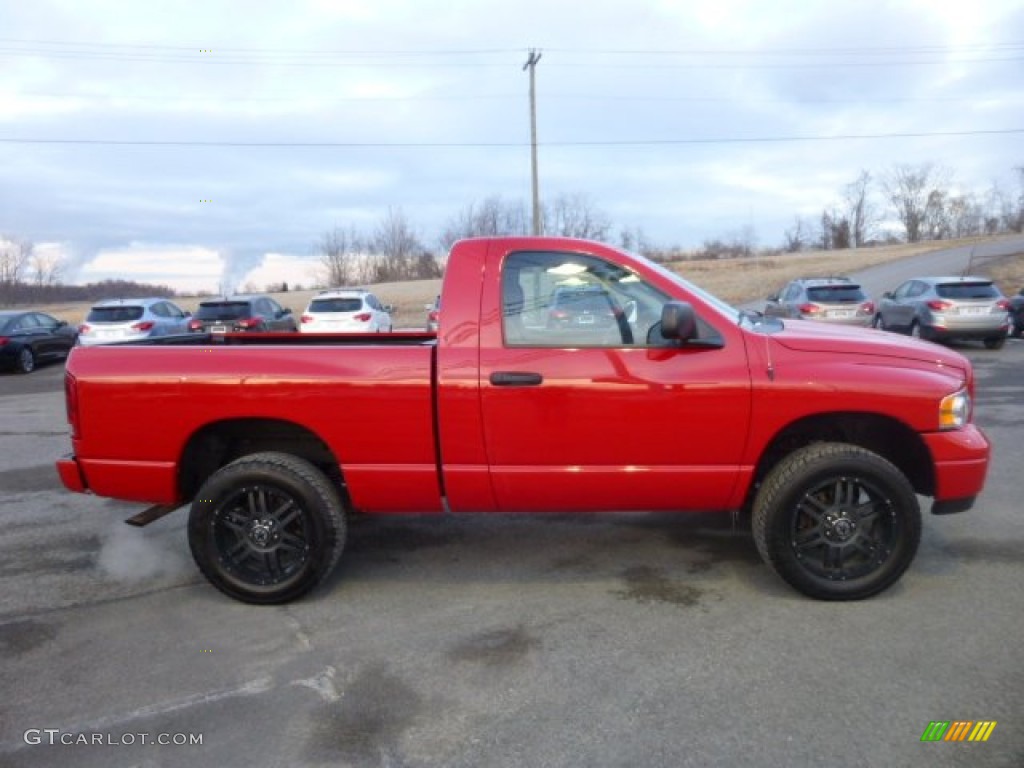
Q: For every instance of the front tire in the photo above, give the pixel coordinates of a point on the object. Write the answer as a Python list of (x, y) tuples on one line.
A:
[(267, 528), (837, 522)]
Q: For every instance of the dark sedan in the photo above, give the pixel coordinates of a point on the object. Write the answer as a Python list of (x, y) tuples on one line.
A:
[(28, 338), (242, 313)]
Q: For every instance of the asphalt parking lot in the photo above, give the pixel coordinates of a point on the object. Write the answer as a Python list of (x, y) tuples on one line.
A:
[(619, 640)]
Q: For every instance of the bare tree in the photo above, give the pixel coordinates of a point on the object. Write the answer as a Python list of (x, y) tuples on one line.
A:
[(396, 247), (860, 213), (575, 216), (797, 237), (47, 265), (917, 193), (339, 250), (15, 254), (490, 217)]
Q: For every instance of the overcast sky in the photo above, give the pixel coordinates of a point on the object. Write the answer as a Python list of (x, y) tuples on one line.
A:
[(195, 143)]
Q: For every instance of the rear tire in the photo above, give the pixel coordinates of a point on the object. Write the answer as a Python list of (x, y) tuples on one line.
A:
[(837, 522), (266, 528), (26, 362), (996, 343), (879, 323)]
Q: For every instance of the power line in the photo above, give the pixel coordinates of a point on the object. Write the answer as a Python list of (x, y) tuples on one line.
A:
[(501, 144)]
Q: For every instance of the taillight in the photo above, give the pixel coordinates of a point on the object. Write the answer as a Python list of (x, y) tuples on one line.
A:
[(867, 308), (71, 403), (363, 317), (3, 340), (145, 325), (1003, 304), (809, 309), (939, 306), (306, 319), (559, 314), (248, 322), (84, 328), (432, 316), (195, 325)]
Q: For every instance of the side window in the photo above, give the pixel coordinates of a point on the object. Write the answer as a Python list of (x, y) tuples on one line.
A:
[(45, 321), (27, 323), (159, 309), (901, 292), (573, 300), (917, 289), (792, 292)]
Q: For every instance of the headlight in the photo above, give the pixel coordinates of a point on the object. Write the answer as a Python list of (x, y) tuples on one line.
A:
[(955, 410)]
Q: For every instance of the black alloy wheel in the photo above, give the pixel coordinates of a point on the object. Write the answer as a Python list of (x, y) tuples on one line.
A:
[(267, 528), (837, 522)]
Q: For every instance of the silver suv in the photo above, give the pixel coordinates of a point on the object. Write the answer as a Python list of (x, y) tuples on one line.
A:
[(132, 319), (947, 308), (828, 299)]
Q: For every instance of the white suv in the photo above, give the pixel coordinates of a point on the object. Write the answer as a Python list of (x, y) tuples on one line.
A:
[(346, 310)]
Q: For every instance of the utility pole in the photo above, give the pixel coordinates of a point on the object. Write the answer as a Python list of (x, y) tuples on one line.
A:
[(531, 63)]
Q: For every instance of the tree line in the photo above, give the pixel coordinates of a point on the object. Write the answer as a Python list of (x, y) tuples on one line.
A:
[(907, 203)]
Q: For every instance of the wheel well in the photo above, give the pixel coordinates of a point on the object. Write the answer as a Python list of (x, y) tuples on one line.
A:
[(887, 437), (220, 443)]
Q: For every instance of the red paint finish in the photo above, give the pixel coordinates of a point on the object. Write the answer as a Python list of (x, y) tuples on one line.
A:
[(590, 428)]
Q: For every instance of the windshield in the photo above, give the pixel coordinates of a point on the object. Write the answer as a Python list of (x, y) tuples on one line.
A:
[(726, 309), (223, 310)]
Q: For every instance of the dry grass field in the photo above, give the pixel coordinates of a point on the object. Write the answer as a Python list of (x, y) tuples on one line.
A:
[(735, 280)]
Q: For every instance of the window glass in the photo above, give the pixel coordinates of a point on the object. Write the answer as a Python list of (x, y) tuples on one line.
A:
[(976, 290), (834, 294), (115, 314), (352, 304), (573, 300)]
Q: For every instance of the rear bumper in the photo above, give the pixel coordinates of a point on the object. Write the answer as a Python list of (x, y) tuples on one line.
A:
[(152, 482), (71, 474), (961, 459)]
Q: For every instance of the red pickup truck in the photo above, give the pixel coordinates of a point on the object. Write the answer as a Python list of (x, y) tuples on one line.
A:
[(565, 376)]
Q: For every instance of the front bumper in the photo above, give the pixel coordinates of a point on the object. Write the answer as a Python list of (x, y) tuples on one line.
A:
[(961, 459)]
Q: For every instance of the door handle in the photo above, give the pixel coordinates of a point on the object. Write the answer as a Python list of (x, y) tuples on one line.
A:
[(516, 379)]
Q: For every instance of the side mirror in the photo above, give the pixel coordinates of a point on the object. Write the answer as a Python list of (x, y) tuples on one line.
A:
[(678, 321), (286, 311), (389, 308), (774, 298), (887, 295), (62, 323), (187, 314)]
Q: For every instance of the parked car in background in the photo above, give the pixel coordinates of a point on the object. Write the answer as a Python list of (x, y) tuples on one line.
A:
[(28, 338), (131, 320), (346, 310), (1017, 314), (232, 314), (433, 314), (828, 299), (586, 306), (946, 309)]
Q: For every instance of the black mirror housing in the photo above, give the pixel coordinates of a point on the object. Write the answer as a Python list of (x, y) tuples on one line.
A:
[(678, 321)]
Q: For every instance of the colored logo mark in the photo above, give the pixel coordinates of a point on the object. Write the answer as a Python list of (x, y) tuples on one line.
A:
[(958, 730)]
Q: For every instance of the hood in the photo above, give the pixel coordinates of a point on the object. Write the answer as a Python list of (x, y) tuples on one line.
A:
[(810, 336)]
